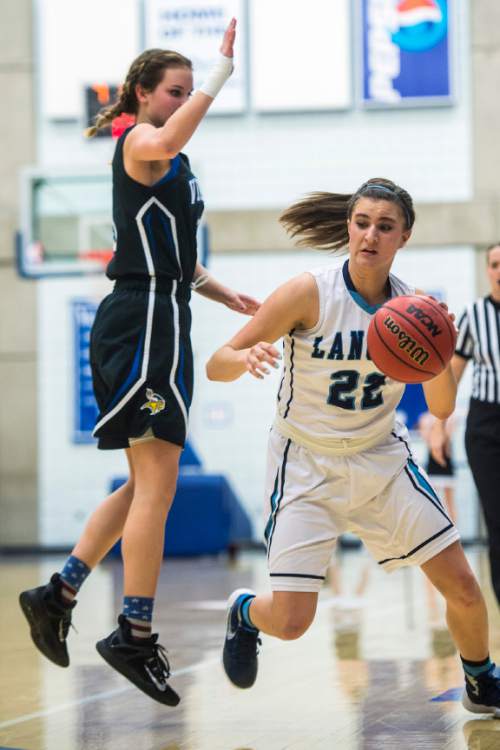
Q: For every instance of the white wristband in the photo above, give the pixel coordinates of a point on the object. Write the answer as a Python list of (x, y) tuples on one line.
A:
[(199, 281), (218, 76)]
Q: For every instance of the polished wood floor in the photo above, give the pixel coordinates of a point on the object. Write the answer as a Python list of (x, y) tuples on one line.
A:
[(362, 678)]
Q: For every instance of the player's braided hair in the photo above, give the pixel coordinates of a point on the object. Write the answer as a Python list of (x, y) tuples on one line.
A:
[(320, 219), (146, 71)]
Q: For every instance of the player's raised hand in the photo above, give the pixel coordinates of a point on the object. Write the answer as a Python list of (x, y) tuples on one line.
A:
[(227, 46), (258, 356)]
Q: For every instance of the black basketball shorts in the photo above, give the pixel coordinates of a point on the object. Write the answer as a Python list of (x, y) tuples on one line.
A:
[(142, 362)]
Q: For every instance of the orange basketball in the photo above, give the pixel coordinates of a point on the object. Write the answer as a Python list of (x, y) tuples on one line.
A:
[(411, 339)]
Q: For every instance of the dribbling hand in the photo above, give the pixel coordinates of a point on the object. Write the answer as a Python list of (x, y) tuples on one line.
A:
[(258, 356), (444, 306), (227, 46)]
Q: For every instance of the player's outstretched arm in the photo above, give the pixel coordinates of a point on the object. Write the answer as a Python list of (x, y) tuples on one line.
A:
[(149, 143), (205, 284), (293, 305)]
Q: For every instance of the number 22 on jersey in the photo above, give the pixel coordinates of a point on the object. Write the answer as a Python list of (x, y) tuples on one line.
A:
[(345, 382)]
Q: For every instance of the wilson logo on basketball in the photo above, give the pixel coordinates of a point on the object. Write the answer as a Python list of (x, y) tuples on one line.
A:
[(405, 342), (424, 319)]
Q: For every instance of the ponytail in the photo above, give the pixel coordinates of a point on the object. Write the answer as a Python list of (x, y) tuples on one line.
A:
[(104, 118), (320, 219)]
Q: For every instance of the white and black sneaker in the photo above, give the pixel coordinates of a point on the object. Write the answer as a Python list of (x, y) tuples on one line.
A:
[(49, 619), (241, 645), (144, 662)]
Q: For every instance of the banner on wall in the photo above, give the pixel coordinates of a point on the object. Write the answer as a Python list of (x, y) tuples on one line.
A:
[(85, 406), (195, 29), (406, 52)]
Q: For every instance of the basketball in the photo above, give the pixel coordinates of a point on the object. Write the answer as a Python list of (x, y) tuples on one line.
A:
[(411, 339)]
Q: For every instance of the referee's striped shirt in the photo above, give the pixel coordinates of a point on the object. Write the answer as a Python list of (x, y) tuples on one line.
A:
[(479, 340)]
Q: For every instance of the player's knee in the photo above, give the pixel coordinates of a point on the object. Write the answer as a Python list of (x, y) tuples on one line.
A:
[(126, 491), (467, 593), (292, 627)]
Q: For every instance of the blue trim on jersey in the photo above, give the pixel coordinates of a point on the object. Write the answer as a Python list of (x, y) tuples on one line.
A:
[(292, 351), (132, 376), (358, 299), (180, 375), (402, 440), (422, 480), (430, 496), (274, 495), (172, 172), (277, 498), (147, 219), (170, 237)]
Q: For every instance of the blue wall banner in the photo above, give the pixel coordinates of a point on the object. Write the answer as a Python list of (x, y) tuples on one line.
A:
[(85, 409), (406, 52)]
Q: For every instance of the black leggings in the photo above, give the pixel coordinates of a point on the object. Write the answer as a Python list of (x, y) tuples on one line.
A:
[(482, 443)]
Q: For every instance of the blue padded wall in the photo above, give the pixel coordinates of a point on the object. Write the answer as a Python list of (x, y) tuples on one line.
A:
[(206, 517)]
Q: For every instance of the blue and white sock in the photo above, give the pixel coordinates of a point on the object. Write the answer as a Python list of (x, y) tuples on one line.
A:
[(139, 612), (244, 601), (73, 575)]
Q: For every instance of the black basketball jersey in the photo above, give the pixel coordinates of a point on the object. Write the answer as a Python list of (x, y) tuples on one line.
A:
[(155, 226)]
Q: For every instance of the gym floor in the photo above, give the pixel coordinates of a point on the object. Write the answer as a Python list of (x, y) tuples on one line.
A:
[(366, 676)]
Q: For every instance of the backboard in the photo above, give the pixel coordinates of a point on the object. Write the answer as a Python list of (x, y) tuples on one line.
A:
[(65, 223)]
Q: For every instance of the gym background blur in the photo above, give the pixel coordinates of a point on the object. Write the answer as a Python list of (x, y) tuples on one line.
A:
[(303, 113)]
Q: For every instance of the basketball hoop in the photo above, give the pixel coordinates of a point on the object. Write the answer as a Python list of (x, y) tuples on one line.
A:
[(99, 255)]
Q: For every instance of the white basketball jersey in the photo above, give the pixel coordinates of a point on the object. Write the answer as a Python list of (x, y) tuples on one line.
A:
[(331, 392)]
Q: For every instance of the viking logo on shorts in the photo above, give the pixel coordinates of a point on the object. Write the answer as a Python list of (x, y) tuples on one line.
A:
[(155, 403)]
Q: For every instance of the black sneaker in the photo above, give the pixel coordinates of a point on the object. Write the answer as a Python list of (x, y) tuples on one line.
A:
[(144, 664), (48, 619), (240, 647), (482, 693)]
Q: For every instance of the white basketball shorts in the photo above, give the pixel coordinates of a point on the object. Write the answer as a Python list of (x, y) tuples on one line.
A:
[(380, 494)]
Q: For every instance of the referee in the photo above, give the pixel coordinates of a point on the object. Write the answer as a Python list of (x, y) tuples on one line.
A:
[(479, 341)]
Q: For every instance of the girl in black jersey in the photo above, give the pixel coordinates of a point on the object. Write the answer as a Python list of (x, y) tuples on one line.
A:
[(141, 358)]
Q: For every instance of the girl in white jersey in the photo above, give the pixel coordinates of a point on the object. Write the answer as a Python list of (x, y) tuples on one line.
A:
[(338, 460)]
